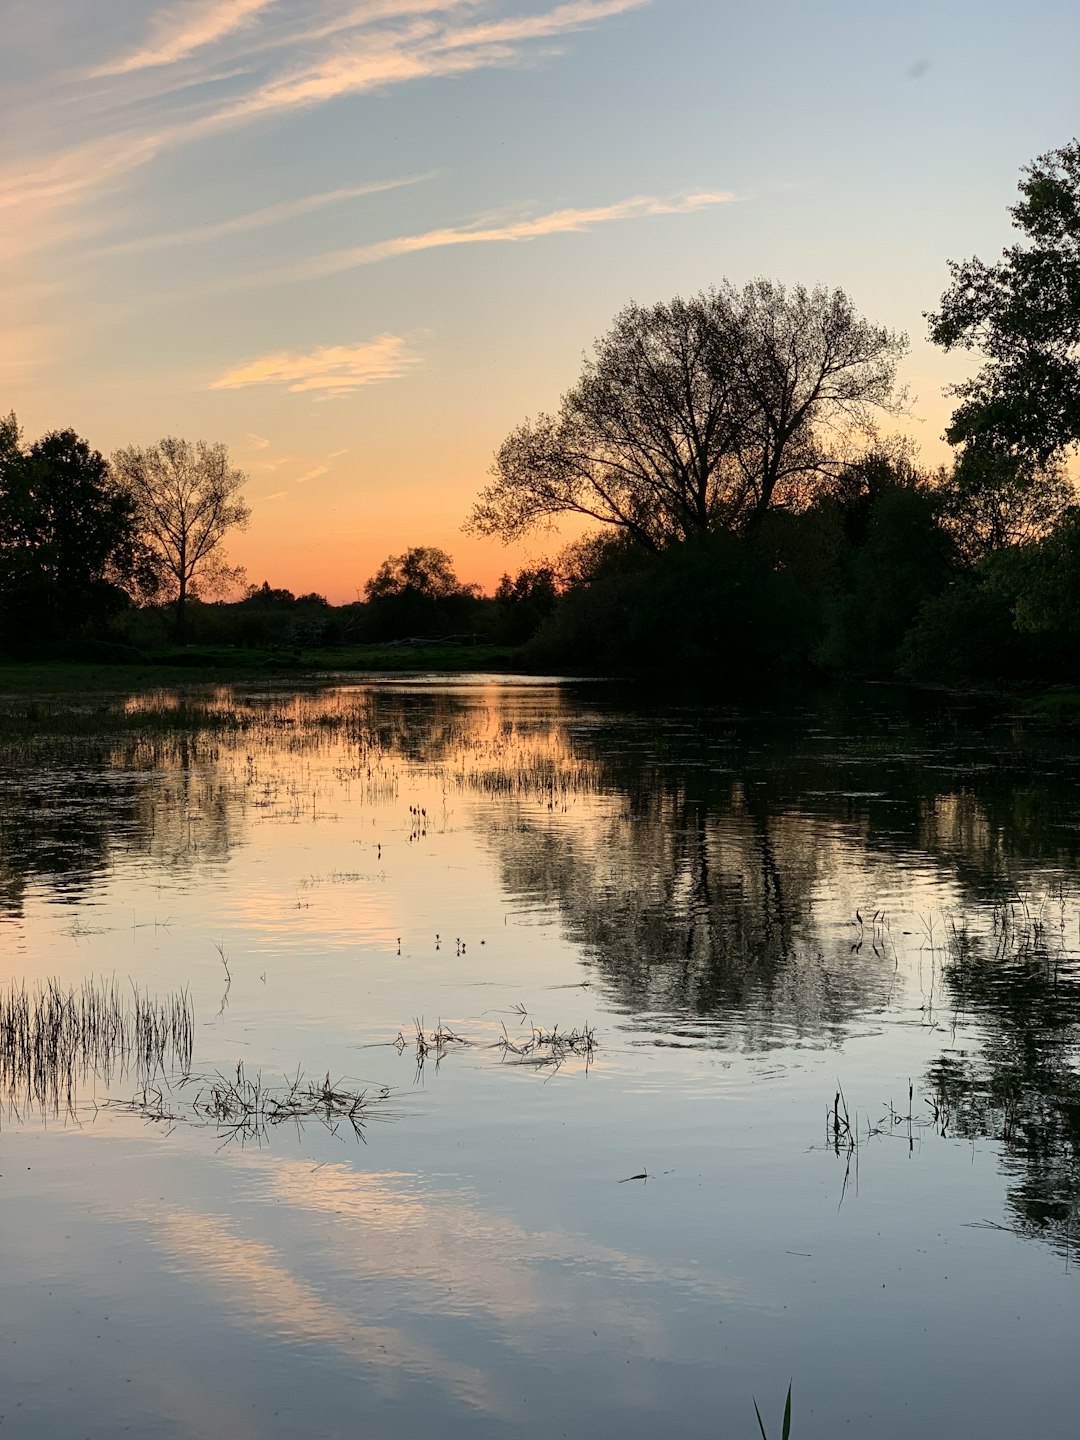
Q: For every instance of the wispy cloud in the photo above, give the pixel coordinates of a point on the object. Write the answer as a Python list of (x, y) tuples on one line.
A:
[(178, 32), (312, 474), (382, 45), (331, 369), (425, 49), (556, 222), (257, 219)]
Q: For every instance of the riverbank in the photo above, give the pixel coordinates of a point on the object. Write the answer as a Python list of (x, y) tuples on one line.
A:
[(205, 666)]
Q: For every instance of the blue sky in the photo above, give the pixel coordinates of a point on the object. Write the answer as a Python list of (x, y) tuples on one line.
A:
[(360, 241)]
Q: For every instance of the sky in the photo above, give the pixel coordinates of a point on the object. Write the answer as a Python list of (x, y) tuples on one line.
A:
[(360, 240)]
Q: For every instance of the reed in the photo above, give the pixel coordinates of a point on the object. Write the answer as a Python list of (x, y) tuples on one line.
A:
[(244, 1108), (53, 1039)]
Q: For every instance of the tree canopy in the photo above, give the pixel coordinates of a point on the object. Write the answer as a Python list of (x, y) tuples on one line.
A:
[(1024, 315), (70, 552), (698, 415), (424, 570), (187, 499)]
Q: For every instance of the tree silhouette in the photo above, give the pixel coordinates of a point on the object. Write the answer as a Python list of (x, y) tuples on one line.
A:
[(69, 548), (1024, 315), (425, 570), (698, 415), (187, 498)]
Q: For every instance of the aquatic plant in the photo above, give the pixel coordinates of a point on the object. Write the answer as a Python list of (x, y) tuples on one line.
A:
[(244, 1108), (786, 1431), (52, 1038)]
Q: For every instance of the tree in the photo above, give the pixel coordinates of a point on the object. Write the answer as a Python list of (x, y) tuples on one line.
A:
[(417, 594), (698, 415), (525, 601), (187, 499), (425, 570), (1024, 315), (70, 554), (996, 499)]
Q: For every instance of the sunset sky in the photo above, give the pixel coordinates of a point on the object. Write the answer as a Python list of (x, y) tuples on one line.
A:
[(359, 240)]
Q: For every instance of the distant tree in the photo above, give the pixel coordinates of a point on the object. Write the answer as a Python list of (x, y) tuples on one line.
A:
[(70, 553), (698, 415), (10, 440), (424, 570), (187, 499), (417, 594), (1024, 315), (265, 597), (525, 601)]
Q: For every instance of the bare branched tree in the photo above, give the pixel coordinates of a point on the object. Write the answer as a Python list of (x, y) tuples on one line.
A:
[(699, 415), (187, 498)]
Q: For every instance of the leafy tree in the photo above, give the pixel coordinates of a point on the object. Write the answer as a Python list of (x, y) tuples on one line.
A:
[(996, 499), (1024, 315), (70, 554), (417, 594), (187, 499), (424, 570), (525, 601), (711, 609), (698, 415)]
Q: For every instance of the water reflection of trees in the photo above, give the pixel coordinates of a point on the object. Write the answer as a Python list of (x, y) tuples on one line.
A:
[(1020, 1086), (693, 916), (698, 855), (69, 813)]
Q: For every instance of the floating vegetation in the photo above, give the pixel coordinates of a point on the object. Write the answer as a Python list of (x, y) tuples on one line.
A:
[(435, 1043), (244, 1108), (52, 1039), (550, 1047)]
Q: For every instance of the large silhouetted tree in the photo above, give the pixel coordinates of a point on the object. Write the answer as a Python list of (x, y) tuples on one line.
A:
[(699, 415), (187, 499), (70, 552), (1024, 315)]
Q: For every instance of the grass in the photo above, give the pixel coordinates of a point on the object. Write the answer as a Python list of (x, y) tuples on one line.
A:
[(244, 1108), (550, 1047), (547, 1049), (52, 1039), (216, 665), (785, 1432)]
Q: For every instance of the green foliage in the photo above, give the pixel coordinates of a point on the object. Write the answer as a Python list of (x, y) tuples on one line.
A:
[(424, 570), (1045, 580), (996, 499), (1024, 315), (785, 1433), (902, 559), (525, 602), (965, 634)]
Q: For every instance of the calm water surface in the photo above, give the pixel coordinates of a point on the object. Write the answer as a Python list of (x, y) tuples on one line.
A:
[(748, 908)]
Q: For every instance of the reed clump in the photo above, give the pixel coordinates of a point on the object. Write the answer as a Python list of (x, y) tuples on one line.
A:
[(244, 1107), (549, 1047), (53, 1039)]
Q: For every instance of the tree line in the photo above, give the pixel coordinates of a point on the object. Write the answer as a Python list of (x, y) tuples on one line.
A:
[(83, 539), (743, 508), (749, 514)]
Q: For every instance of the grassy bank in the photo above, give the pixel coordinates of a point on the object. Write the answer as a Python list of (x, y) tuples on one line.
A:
[(208, 666)]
